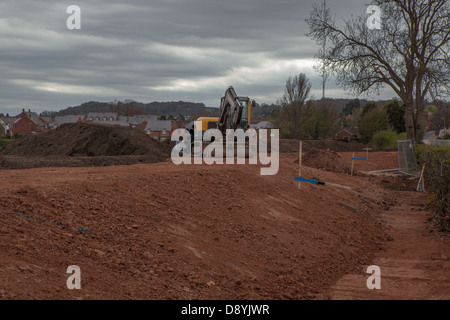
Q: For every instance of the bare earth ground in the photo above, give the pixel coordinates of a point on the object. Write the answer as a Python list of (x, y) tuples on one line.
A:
[(158, 231), (415, 262)]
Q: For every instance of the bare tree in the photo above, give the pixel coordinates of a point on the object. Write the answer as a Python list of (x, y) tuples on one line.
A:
[(410, 53), (298, 118), (296, 91)]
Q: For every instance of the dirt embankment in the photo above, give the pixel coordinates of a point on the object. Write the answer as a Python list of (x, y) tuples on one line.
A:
[(291, 145), (83, 144), (160, 231), (325, 160)]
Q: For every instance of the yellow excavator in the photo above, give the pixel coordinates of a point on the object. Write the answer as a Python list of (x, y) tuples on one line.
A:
[(234, 113)]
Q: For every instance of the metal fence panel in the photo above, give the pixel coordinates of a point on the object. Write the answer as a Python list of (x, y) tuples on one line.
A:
[(406, 158)]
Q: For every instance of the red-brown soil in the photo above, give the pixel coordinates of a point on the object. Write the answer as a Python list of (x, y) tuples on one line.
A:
[(160, 231), (414, 263), (325, 160), (375, 161), (292, 146)]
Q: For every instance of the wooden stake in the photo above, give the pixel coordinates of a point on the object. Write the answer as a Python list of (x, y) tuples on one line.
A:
[(338, 186), (421, 180), (300, 164), (353, 157), (367, 149)]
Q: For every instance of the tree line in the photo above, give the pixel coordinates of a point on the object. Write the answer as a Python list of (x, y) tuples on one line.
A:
[(299, 117)]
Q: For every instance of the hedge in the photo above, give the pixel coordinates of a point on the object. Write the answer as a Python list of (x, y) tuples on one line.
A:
[(437, 181)]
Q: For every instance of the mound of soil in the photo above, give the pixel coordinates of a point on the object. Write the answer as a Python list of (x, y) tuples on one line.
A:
[(83, 144), (325, 160)]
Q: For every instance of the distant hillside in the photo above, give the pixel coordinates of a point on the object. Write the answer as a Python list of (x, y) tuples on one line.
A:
[(176, 108), (128, 107)]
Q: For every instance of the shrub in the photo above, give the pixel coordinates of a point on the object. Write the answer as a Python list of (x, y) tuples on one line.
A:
[(447, 136), (437, 180), (396, 115), (402, 136), (4, 142), (374, 120), (386, 139)]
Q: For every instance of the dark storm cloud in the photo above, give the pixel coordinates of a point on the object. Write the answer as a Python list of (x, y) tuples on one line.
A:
[(153, 50)]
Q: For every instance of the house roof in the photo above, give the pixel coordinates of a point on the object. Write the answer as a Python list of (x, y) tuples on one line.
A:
[(145, 117), (101, 116), (159, 125), (60, 120), (33, 116), (352, 131), (114, 122), (137, 120), (9, 120)]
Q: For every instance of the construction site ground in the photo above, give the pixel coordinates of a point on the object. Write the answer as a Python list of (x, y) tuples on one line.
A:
[(161, 231)]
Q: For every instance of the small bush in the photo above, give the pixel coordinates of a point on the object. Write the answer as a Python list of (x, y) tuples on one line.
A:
[(437, 180), (4, 142), (386, 139), (373, 121), (402, 136), (447, 136)]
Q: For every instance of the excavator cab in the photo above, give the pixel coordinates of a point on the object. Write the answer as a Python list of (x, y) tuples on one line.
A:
[(234, 113), (244, 116), (242, 106)]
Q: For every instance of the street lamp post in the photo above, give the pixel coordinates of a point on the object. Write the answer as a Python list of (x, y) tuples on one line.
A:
[(446, 116)]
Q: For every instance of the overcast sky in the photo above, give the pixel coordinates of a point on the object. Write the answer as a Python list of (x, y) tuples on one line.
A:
[(156, 50)]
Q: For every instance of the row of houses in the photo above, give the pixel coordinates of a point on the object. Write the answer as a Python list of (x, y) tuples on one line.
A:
[(26, 122), (31, 122)]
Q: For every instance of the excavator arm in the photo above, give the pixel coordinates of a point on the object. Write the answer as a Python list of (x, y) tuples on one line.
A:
[(230, 111)]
